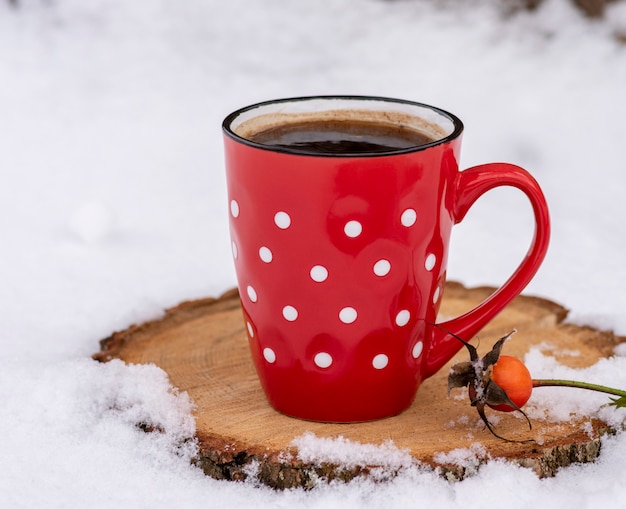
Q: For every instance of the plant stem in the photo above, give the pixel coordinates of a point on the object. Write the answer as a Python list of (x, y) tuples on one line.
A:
[(579, 385)]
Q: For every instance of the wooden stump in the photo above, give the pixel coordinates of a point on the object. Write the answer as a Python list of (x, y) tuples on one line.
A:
[(203, 348)]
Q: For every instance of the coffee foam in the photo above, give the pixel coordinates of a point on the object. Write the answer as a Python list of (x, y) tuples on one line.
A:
[(256, 124)]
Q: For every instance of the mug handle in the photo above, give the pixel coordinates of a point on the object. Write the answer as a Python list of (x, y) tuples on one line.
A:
[(470, 185)]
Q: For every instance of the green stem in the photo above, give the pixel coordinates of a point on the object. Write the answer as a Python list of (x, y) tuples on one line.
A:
[(579, 385)]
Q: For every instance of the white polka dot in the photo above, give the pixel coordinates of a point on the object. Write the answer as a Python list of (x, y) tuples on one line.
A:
[(382, 267), (270, 355), (282, 220), (290, 313), (319, 273), (234, 208), (323, 360), (265, 254), (347, 315), (353, 229), (250, 329), (408, 218), (431, 259), (235, 251), (403, 317), (417, 349), (380, 361), (436, 295), (251, 293)]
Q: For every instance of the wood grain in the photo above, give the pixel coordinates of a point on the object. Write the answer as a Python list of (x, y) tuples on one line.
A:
[(203, 348)]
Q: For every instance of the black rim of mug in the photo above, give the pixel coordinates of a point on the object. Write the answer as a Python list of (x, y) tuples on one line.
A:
[(458, 125)]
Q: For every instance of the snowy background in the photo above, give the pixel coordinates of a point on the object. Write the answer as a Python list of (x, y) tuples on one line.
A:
[(113, 208)]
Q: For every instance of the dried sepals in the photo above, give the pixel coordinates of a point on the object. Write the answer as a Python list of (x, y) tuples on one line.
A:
[(475, 374)]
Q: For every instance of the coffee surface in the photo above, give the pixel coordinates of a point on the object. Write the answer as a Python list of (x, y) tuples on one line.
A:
[(341, 137)]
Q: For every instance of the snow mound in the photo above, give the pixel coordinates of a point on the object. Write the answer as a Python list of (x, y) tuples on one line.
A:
[(348, 453)]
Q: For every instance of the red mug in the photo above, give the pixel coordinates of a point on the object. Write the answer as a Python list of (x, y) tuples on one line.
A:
[(341, 258)]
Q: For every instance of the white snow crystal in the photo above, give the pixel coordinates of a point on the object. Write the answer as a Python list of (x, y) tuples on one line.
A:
[(92, 222)]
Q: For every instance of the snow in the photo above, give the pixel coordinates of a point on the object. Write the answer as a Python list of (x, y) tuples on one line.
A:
[(113, 208), (468, 457), (348, 453), (558, 405)]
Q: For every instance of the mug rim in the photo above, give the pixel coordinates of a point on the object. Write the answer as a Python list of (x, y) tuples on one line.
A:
[(455, 133)]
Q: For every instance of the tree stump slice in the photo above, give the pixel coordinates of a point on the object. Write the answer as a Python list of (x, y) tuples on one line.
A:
[(203, 347)]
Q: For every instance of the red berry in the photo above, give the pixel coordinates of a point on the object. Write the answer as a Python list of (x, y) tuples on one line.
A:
[(514, 378)]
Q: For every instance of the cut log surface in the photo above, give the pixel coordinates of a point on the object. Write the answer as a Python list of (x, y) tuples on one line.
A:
[(202, 346)]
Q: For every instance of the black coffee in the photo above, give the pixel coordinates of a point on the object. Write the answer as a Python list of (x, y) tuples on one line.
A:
[(341, 137)]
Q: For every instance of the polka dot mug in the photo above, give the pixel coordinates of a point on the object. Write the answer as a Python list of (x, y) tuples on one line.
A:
[(341, 258)]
